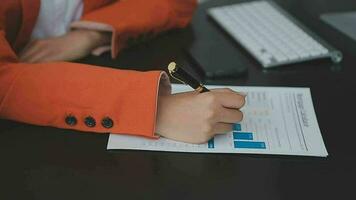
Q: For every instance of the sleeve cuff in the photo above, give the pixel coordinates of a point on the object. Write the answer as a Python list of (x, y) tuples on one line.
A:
[(164, 88)]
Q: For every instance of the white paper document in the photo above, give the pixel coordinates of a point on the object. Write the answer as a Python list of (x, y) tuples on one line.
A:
[(277, 120)]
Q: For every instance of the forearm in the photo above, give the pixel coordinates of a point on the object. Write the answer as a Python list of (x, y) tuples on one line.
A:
[(46, 94), (132, 19), (74, 45)]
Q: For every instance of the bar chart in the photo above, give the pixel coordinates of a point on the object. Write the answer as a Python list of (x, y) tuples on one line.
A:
[(245, 139)]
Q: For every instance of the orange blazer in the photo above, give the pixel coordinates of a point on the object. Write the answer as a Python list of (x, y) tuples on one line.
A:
[(86, 97)]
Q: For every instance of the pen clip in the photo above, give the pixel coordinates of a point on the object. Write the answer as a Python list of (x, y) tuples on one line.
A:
[(171, 69)]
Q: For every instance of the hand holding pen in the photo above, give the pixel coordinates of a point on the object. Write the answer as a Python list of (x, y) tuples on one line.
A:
[(197, 117)]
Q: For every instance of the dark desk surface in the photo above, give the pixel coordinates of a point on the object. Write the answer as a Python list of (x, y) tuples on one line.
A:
[(49, 163)]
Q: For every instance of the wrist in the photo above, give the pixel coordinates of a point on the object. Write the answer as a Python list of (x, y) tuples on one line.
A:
[(161, 108), (95, 38)]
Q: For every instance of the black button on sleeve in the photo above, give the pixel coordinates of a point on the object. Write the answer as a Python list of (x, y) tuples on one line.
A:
[(90, 122), (71, 120), (107, 122)]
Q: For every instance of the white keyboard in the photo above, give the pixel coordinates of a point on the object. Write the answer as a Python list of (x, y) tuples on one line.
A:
[(270, 34)]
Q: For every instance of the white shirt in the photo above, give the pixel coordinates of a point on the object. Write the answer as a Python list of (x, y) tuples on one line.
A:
[(55, 17)]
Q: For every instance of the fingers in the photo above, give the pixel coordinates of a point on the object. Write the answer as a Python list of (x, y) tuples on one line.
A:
[(37, 51), (230, 99), (36, 57), (227, 118), (26, 48), (227, 115), (221, 128), (32, 52)]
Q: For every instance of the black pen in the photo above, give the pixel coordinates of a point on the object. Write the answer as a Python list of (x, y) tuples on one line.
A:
[(184, 77)]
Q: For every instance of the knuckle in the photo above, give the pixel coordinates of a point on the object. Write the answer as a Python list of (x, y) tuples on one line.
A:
[(210, 102), (210, 115), (211, 98)]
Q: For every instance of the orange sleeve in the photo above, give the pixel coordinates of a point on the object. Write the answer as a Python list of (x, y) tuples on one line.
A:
[(73, 96), (128, 19)]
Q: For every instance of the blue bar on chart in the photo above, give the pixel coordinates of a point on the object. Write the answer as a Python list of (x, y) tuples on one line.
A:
[(211, 143), (249, 145), (237, 127), (242, 136)]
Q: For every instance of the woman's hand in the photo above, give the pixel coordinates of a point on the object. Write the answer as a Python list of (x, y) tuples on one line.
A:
[(74, 45), (196, 117)]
